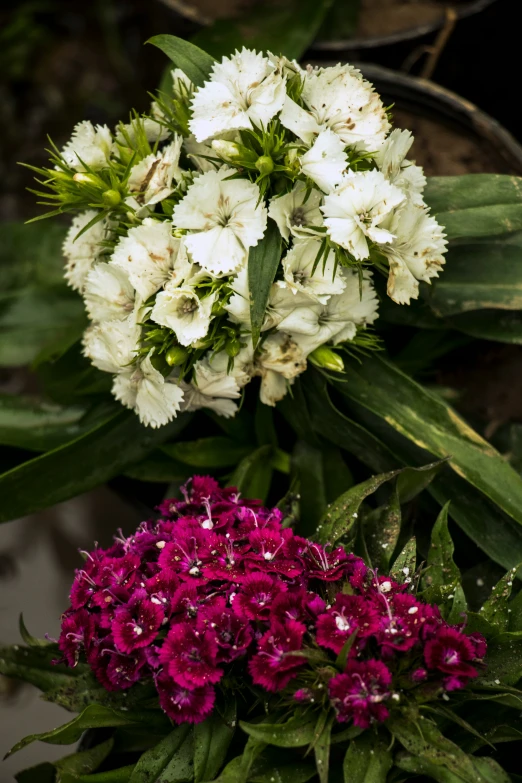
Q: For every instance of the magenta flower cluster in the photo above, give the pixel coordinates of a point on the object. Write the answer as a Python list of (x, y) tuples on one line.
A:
[(217, 587)]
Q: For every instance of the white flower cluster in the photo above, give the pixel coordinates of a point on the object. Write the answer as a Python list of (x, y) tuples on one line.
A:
[(167, 286)]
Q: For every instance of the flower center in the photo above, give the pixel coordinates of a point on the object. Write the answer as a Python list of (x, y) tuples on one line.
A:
[(298, 217)]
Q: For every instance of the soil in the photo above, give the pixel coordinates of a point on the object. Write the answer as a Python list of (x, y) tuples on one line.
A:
[(443, 150), (377, 17)]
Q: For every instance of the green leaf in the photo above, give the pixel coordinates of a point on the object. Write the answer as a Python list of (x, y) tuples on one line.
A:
[(496, 609), (158, 467), (31, 255), (430, 423), (478, 276), (36, 318), (212, 738), (287, 28), (367, 760), (476, 205), (442, 580), (28, 638), (423, 739), (121, 775), (322, 750), (420, 766), (296, 732), (342, 514), (307, 462), (238, 770), (93, 717), (154, 761), (295, 771), (84, 463), (192, 60), (381, 529), (34, 665), (42, 773), (263, 262), (85, 761), (42, 426), (213, 452), (496, 325), (254, 473), (404, 565), (411, 482)]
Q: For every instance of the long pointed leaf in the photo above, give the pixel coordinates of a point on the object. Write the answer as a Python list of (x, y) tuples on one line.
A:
[(192, 60), (263, 261)]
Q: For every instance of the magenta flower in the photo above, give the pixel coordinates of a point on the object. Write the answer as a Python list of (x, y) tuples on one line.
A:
[(272, 667), (233, 636), (137, 623), (269, 552), (451, 652), (225, 561), (186, 554), (402, 620), (76, 635), (190, 656), (359, 694), (256, 595), (330, 566), (349, 613), (183, 705)]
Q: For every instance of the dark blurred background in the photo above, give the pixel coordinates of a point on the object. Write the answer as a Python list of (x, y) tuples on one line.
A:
[(62, 61)]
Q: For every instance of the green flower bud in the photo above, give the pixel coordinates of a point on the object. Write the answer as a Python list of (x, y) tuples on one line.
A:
[(265, 165), (227, 150), (326, 358), (111, 198), (232, 347), (83, 178), (176, 355)]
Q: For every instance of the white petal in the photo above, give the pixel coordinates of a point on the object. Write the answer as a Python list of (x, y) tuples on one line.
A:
[(82, 252), (89, 146), (111, 346), (147, 255), (299, 121), (325, 162), (179, 308), (273, 388), (108, 293), (215, 383), (296, 210), (298, 265)]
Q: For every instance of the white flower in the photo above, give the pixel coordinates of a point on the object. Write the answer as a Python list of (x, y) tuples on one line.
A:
[(82, 252), (224, 218), (355, 210), (340, 99), (244, 90), (238, 306), (198, 152), (298, 265), (294, 211), (155, 399), (111, 346), (278, 363), (152, 177), (415, 254), (194, 400), (180, 309), (242, 367), (391, 160), (338, 319), (213, 382), (147, 254), (129, 133), (108, 293), (325, 162), (89, 146), (281, 302)]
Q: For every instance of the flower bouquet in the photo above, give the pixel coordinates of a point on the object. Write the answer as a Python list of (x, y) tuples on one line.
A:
[(235, 231), (217, 644)]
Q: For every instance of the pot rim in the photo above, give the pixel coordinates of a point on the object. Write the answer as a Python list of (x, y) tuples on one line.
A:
[(186, 8)]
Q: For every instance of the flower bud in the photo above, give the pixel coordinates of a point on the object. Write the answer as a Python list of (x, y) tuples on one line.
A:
[(326, 358), (232, 347), (83, 178), (111, 198), (227, 150), (176, 355), (158, 362), (265, 165)]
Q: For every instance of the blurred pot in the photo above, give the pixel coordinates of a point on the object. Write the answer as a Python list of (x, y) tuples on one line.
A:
[(462, 8)]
